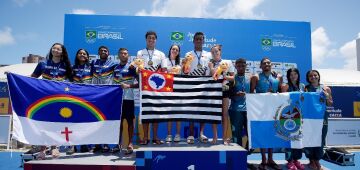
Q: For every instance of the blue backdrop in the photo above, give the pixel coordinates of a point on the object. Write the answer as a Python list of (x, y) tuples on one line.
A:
[(346, 102), (287, 44)]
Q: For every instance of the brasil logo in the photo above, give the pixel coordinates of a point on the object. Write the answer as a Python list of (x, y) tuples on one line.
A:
[(288, 121), (266, 44), (90, 36), (177, 36)]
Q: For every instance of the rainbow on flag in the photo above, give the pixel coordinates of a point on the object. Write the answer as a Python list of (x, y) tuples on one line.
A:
[(60, 113)]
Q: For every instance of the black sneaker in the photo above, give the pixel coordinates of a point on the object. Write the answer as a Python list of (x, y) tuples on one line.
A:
[(84, 148), (34, 149), (105, 149), (97, 149), (116, 149), (71, 150)]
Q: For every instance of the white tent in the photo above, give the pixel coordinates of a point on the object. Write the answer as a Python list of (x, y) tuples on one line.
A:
[(25, 69), (337, 77)]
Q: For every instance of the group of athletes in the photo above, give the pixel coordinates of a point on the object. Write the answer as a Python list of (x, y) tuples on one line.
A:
[(235, 87)]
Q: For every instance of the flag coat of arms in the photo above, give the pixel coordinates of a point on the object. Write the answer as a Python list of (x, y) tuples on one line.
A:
[(285, 120), (60, 113), (168, 97)]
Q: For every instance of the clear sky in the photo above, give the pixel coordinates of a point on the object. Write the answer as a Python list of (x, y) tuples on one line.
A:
[(32, 26)]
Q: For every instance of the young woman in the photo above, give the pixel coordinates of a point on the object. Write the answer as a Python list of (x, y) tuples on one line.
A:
[(173, 61), (57, 67), (82, 72), (213, 65), (316, 153), (293, 155)]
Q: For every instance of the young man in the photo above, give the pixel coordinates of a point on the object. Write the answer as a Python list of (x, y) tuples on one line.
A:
[(266, 82), (124, 75), (237, 111), (155, 60), (103, 71), (198, 67)]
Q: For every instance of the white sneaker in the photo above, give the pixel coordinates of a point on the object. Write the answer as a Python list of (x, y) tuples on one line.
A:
[(203, 139), (190, 139), (55, 153), (168, 139), (177, 138)]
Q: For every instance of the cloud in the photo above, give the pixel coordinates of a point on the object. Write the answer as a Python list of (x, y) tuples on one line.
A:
[(203, 8), (6, 37), (321, 47), (348, 53), (240, 9), (177, 8), (83, 11)]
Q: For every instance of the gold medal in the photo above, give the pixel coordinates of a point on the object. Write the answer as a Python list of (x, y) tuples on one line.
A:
[(150, 63), (199, 66)]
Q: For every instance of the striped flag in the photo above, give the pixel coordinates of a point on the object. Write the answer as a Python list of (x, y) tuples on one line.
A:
[(168, 97)]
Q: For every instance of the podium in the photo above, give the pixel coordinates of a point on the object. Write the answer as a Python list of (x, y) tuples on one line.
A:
[(166, 156), (190, 157)]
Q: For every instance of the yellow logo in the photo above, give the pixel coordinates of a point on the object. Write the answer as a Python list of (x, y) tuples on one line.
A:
[(356, 109), (4, 105)]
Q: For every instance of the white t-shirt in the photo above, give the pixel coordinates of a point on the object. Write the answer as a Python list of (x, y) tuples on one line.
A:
[(231, 68), (171, 63), (204, 61), (157, 57)]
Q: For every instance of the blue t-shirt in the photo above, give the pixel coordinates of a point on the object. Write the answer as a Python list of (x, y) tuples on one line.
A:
[(241, 83), (82, 73), (301, 88), (51, 71), (311, 88), (102, 71), (125, 74), (267, 83)]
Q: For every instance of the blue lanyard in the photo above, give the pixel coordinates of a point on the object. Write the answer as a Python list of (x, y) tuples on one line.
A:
[(216, 63), (198, 56), (242, 78), (270, 82)]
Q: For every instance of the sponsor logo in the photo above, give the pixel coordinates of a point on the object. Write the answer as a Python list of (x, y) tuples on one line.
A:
[(357, 109), (159, 158), (177, 36), (266, 42), (208, 41), (288, 121), (90, 36), (277, 41), (109, 35)]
